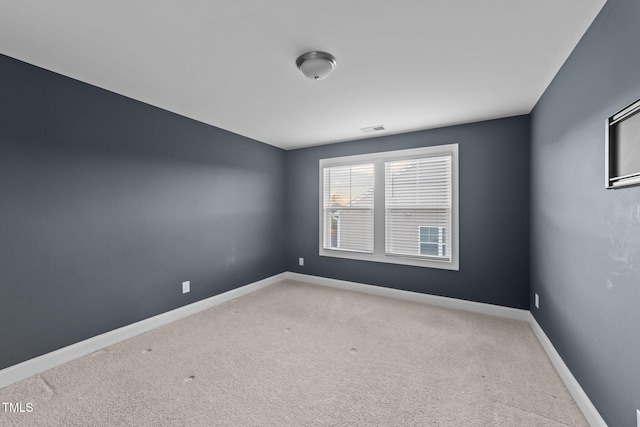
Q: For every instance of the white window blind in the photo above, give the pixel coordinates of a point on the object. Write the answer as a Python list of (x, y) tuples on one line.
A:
[(348, 207), (418, 202), (398, 207)]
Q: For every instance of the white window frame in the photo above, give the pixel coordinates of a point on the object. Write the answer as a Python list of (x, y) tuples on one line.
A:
[(379, 236)]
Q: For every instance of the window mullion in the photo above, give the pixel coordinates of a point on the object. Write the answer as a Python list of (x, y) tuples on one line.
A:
[(378, 208)]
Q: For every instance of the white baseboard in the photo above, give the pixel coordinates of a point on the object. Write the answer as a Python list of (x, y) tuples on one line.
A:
[(458, 304), (588, 409), (584, 403), (39, 364)]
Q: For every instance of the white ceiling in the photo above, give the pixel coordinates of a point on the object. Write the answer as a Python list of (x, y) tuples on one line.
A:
[(405, 64)]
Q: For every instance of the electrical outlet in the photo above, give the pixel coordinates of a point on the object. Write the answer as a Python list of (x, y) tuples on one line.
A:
[(301, 262), (537, 300), (186, 287)]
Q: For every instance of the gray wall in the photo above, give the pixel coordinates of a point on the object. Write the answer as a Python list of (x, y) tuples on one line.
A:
[(585, 240), (494, 214), (108, 204)]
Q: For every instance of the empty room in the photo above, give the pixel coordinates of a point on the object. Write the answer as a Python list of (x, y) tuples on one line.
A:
[(345, 213)]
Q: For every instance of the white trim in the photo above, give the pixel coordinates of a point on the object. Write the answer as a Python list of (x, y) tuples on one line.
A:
[(458, 304), (378, 159), (584, 403), (39, 364)]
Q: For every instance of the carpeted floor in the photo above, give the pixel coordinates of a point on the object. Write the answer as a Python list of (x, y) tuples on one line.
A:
[(294, 354)]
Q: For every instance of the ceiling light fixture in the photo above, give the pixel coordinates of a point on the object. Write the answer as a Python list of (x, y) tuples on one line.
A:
[(316, 65)]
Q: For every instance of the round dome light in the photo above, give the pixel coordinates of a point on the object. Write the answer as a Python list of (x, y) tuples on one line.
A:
[(316, 65)]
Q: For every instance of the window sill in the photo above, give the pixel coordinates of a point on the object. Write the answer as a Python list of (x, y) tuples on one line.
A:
[(391, 259)]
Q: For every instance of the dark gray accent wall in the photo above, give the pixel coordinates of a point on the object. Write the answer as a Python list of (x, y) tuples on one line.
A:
[(494, 214), (585, 240), (108, 204)]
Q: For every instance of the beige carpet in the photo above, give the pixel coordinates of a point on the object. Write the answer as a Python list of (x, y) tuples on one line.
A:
[(295, 354)]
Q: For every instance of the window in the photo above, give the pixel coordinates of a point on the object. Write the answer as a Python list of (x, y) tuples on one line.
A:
[(623, 156), (417, 198), (398, 207), (348, 207)]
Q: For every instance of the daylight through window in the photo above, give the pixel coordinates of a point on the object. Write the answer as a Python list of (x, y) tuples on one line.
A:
[(397, 207)]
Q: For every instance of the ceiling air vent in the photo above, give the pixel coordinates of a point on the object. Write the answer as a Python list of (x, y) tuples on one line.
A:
[(370, 129)]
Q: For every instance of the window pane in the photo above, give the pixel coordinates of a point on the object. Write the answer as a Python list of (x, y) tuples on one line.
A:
[(348, 207), (418, 182), (348, 186), (418, 207), (350, 230), (407, 229)]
